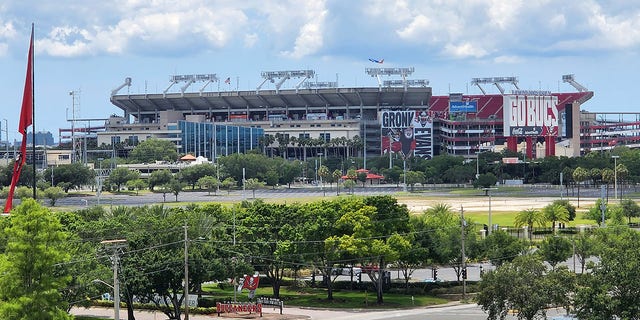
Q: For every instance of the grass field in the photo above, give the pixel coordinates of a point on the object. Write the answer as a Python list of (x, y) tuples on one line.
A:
[(345, 299)]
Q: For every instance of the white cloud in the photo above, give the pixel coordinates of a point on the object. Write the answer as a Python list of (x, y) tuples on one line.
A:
[(250, 40), (508, 60), (296, 29), (7, 30), (465, 50), (310, 36), (620, 31), (148, 28)]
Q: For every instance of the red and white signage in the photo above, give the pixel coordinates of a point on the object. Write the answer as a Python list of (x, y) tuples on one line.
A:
[(530, 115)]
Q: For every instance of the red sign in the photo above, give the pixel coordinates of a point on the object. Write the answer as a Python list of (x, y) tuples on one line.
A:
[(238, 307)]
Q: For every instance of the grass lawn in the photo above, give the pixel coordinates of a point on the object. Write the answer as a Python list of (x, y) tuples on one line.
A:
[(317, 297), (506, 218)]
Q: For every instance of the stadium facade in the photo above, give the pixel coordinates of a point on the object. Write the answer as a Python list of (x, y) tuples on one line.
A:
[(398, 116)]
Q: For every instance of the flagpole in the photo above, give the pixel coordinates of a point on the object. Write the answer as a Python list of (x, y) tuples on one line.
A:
[(33, 114), (26, 120)]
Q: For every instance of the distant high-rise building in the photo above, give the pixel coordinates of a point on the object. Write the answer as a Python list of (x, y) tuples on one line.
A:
[(42, 138)]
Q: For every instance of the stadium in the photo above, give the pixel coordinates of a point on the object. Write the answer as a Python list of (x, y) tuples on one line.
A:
[(311, 118)]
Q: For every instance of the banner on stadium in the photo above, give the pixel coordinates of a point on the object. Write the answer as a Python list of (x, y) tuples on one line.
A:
[(527, 115), (463, 106), (408, 132)]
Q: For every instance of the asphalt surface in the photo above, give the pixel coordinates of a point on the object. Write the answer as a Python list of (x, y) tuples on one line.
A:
[(88, 198), (449, 311)]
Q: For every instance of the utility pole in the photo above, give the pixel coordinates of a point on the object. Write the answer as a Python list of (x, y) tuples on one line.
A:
[(464, 258), (186, 272), (116, 246)]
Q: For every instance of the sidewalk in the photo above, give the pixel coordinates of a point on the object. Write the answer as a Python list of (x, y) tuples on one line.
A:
[(268, 314), (289, 313)]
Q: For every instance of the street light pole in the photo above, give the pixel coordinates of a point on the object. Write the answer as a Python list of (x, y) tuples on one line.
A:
[(186, 272), (615, 176), (116, 245), (6, 131), (488, 191)]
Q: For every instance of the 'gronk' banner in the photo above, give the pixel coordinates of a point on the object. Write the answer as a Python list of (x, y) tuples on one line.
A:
[(407, 132)]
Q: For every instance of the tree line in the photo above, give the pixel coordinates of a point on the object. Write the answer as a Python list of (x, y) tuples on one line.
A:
[(225, 242)]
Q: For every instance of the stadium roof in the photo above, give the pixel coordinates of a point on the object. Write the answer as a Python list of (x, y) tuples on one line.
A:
[(312, 98)]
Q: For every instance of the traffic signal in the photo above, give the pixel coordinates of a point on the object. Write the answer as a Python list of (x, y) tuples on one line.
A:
[(464, 273), (435, 274)]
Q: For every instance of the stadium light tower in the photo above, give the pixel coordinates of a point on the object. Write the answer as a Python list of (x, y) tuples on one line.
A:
[(403, 72), (495, 81), (127, 83), (570, 78), (410, 83), (189, 79), (283, 76)]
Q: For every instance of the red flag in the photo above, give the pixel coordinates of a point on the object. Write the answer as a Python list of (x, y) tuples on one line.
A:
[(251, 282), (26, 119)]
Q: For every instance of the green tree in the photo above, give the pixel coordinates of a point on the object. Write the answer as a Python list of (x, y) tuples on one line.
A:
[(555, 250), (53, 194), (29, 284), (271, 178), (393, 175), (253, 184), (349, 185), (71, 175), (362, 177), (500, 247), (229, 183), (442, 226), (122, 175), (630, 209), (152, 150), (175, 186), (277, 223), (595, 212), (208, 182), (585, 247), (555, 213), (571, 209), (519, 285), (191, 174), (580, 175), (136, 184), (289, 171), (611, 290), (486, 180), (414, 177), (324, 173), (159, 177), (337, 174), (529, 217)]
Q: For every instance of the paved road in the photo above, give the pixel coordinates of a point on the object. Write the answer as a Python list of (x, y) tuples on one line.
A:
[(451, 311), (238, 195)]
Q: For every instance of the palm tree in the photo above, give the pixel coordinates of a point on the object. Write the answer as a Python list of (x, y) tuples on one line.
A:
[(579, 175), (555, 212), (529, 217)]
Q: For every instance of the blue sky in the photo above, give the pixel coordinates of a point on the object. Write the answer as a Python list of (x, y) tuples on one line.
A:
[(91, 46)]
